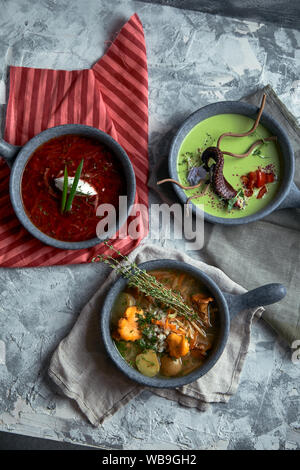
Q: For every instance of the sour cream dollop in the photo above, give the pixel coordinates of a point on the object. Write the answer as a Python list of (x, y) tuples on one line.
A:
[(83, 187)]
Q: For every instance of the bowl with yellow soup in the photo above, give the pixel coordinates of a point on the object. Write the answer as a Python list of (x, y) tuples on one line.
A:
[(230, 177)]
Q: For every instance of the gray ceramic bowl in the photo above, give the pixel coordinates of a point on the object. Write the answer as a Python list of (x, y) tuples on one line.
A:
[(17, 157), (228, 306), (288, 195)]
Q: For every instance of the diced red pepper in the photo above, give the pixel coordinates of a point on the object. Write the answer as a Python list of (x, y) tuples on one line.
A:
[(262, 192), (256, 179), (252, 176), (260, 178), (245, 180), (270, 177), (248, 192)]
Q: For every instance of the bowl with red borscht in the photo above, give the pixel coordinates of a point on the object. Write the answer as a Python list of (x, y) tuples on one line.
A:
[(59, 179)]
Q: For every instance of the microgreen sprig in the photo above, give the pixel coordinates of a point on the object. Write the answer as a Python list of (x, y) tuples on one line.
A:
[(65, 190), (68, 204)]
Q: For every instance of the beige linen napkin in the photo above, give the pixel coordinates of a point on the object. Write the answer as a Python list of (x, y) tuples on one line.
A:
[(82, 370)]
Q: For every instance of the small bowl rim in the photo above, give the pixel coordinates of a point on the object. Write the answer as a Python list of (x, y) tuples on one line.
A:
[(155, 382), (26, 152), (233, 107)]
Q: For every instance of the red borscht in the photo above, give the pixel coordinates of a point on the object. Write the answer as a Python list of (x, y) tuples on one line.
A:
[(42, 199)]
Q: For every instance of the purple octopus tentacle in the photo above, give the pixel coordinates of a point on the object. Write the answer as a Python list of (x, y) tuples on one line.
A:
[(220, 185)]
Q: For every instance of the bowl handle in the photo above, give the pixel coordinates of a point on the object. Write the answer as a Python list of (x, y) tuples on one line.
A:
[(292, 201), (8, 152), (264, 295)]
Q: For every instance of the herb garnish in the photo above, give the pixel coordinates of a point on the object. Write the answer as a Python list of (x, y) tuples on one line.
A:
[(231, 202), (65, 190), (257, 153), (148, 284), (68, 204), (122, 347)]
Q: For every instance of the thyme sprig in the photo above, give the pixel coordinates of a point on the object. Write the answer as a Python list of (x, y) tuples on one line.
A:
[(148, 285)]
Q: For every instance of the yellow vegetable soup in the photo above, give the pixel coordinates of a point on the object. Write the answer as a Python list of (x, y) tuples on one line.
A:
[(155, 339)]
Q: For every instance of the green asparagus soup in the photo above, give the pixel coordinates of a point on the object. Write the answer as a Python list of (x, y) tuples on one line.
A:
[(265, 157)]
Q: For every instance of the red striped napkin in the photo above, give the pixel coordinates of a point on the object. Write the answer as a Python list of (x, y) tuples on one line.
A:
[(112, 96)]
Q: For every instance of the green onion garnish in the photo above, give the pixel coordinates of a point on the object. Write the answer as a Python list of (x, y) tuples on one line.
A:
[(65, 190), (74, 187)]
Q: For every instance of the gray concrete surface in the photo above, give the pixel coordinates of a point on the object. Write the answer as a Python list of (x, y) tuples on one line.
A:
[(283, 13), (194, 59)]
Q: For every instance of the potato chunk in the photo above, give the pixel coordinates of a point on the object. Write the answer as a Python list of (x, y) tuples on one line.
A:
[(148, 363), (123, 301), (170, 366)]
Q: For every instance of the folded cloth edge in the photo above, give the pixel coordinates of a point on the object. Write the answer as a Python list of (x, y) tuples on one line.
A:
[(95, 420)]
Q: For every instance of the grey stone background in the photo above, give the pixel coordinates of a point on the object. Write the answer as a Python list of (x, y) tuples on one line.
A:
[(284, 13), (194, 58)]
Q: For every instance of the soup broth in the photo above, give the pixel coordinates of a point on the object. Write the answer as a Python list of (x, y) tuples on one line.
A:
[(157, 341), (42, 200), (266, 157)]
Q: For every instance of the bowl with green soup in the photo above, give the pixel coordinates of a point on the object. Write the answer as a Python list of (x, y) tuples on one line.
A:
[(175, 330), (233, 163)]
